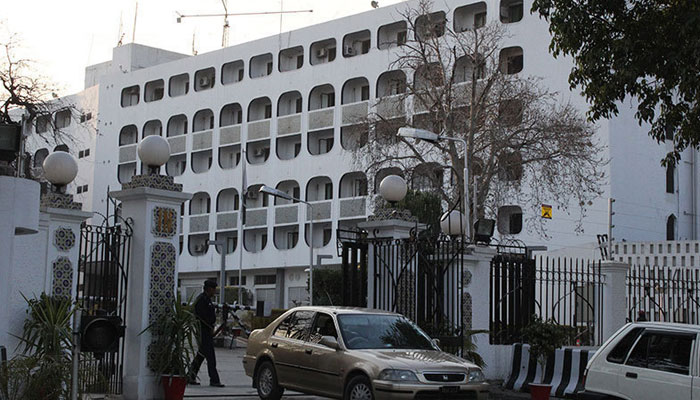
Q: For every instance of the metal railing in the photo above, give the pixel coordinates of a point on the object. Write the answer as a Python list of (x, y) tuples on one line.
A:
[(562, 290), (667, 294)]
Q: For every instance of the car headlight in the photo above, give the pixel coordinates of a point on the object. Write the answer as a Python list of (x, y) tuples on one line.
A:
[(476, 376), (398, 375)]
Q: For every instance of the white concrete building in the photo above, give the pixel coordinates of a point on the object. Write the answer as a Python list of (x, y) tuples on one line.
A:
[(283, 104)]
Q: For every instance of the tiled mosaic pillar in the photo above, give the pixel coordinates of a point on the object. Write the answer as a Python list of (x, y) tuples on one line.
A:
[(153, 203), (60, 223)]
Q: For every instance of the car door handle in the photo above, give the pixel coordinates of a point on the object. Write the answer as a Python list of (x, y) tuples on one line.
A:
[(308, 351), (632, 375), (274, 345)]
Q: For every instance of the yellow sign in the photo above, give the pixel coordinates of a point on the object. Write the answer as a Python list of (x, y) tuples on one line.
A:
[(546, 211)]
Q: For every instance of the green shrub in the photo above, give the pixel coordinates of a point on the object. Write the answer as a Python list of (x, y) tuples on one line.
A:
[(544, 337)]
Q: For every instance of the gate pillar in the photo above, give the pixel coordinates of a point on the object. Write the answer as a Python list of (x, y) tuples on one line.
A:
[(614, 296), (59, 224), (153, 203), (477, 303)]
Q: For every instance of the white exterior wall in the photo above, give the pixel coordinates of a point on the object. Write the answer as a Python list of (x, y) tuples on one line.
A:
[(78, 136), (633, 176)]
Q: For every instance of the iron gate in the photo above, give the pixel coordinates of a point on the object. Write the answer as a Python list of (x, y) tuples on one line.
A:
[(103, 269), (512, 297), (420, 278)]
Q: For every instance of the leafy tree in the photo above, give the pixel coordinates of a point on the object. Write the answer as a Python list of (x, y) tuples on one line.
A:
[(645, 49), (525, 145)]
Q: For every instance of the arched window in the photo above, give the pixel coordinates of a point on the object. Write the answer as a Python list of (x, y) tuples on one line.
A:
[(671, 227), (670, 179)]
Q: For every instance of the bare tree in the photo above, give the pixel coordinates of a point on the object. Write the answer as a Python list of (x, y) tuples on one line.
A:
[(27, 97), (525, 145)]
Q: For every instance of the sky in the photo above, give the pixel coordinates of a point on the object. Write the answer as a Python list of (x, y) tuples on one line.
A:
[(63, 37)]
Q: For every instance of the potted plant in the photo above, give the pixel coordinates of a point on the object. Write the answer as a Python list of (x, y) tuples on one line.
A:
[(544, 337), (173, 346)]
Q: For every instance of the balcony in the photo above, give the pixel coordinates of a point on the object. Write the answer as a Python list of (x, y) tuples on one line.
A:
[(390, 107), (229, 135), (320, 119), (201, 140), (289, 124), (353, 207), (127, 153), (227, 220), (259, 130), (286, 214), (199, 223), (322, 210), (355, 113), (256, 217), (178, 144)]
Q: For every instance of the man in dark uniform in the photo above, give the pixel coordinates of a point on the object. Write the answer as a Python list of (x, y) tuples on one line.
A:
[(206, 313)]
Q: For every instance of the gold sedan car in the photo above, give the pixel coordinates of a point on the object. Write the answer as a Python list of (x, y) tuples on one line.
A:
[(355, 354)]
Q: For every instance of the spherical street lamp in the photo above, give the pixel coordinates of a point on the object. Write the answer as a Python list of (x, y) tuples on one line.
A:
[(453, 223), (393, 188), (60, 168), (154, 151)]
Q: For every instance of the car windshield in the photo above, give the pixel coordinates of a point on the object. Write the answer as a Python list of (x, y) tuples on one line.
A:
[(377, 331)]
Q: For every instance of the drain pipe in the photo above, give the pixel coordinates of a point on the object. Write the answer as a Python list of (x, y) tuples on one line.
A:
[(693, 197)]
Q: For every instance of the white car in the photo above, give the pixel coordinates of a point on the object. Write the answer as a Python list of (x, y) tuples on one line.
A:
[(646, 360)]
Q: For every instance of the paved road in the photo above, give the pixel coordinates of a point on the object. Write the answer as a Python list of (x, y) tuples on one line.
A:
[(238, 385)]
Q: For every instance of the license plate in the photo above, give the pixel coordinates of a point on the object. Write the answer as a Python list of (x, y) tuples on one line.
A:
[(449, 389)]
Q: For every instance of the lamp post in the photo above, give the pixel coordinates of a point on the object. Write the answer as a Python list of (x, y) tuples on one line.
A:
[(434, 137), (278, 193), (222, 271)]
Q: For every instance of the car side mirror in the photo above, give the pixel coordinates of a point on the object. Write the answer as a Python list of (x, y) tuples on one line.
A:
[(329, 341), (436, 342)]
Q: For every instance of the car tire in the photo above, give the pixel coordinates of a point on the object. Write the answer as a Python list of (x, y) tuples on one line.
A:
[(266, 382), (359, 388)]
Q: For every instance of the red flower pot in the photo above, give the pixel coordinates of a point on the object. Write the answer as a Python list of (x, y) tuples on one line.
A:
[(540, 391), (174, 387)]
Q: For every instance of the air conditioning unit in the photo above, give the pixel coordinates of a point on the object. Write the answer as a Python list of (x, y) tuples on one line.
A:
[(349, 50), (259, 152), (204, 81), (200, 248), (251, 195), (321, 53)]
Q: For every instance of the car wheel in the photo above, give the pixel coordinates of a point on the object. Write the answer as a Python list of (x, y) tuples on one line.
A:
[(359, 388), (268, 388)]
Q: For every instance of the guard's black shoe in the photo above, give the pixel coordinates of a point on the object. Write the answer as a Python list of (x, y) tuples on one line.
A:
[(217, 384), (192, 382)]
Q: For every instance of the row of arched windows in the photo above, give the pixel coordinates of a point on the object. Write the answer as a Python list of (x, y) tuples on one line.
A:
[(472, 16)]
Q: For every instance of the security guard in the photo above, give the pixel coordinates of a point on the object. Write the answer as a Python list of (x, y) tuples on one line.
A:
[(206, 313)]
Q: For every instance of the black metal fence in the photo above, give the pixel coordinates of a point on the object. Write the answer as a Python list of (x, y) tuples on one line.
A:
[(667, 294), (565, 291), (103, 269)]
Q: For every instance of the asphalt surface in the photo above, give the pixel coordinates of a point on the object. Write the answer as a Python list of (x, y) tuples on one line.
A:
[(239, 386)]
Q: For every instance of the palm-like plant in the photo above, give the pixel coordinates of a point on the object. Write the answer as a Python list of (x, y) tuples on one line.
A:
[(43, 371), (46, 332), (174, 335)]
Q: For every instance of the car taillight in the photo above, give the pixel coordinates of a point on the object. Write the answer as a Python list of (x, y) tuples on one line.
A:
[(583, 381)]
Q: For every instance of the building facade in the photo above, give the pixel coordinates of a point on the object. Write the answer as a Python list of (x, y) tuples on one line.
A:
[(282, 111)]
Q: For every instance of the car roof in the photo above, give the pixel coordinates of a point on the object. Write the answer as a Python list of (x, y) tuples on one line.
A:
[(343, 310), (667, 325)]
